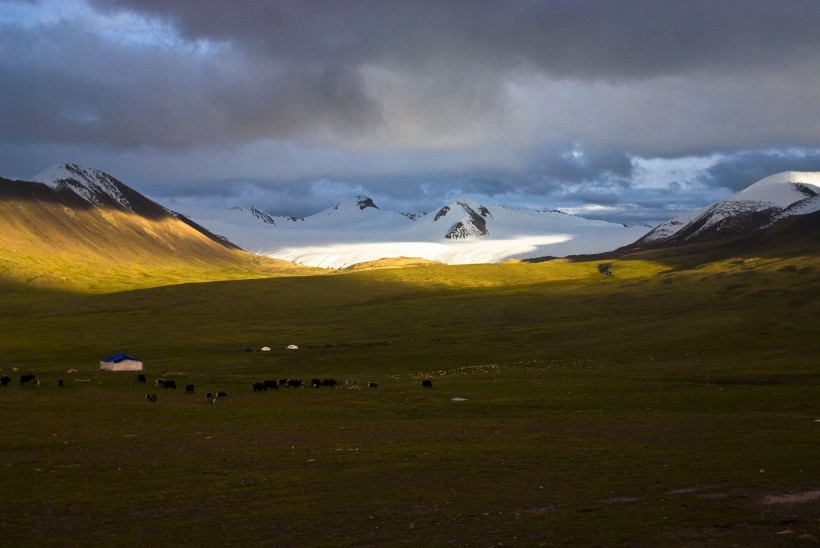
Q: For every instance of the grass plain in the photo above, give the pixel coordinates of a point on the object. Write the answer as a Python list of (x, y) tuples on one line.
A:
[(670, 404)]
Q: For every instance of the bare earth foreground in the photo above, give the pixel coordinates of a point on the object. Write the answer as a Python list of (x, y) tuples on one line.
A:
[(665, 405)]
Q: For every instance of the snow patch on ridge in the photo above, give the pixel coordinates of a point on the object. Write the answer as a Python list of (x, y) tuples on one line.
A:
[(472, 225), (90, 184), (781, 189), (261, 215)]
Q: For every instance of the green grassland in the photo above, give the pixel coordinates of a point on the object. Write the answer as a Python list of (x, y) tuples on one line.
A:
[(675, 403)]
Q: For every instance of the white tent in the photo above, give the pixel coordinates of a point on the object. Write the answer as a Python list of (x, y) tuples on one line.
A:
[(293, 347)]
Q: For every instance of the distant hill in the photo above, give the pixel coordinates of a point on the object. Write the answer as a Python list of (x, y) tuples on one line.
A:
[(72, 223), (749, 213), (777, 217)]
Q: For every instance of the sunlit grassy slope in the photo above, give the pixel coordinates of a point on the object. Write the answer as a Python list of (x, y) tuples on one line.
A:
[(59, 242)]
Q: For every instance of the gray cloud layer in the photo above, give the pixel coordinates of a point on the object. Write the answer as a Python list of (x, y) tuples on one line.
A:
[(565, 38), (417, 98)]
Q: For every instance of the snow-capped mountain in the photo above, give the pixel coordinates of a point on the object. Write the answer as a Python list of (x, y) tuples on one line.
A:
[(462, 232), (84, 188), (97, 188), (261, 215), (757, 207), (72, 221)]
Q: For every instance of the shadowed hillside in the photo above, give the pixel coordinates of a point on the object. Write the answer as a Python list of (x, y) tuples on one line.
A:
[(795, 238)]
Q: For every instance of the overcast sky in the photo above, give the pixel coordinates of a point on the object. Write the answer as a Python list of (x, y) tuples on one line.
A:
[(618, 109)]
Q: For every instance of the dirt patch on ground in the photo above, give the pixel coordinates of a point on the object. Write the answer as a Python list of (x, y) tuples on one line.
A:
[(793, 498), (536, 510), (693, 489)]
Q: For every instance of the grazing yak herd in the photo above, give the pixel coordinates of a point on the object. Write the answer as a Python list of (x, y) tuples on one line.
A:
[(213, 397), (31, 379)]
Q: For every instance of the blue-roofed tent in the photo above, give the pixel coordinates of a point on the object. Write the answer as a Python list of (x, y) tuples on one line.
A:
[(121, 362)]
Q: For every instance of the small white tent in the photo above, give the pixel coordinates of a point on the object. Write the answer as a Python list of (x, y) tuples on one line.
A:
[(293, 347), (121, 362)]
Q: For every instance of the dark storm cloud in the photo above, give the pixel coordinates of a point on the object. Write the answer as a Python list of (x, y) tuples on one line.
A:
[(419, 74), (436, 69), (71, 85), (567, 38)]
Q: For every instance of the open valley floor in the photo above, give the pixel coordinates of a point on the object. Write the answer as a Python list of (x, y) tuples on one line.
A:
[(660, 405)]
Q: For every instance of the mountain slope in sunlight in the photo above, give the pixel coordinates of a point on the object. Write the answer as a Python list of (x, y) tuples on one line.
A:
[(75, 227)]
